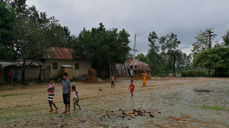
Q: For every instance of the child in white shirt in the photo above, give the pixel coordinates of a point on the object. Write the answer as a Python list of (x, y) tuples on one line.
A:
[(75, 98)]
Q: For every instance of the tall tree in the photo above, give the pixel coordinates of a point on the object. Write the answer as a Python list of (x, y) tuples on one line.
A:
[(101, 45), (218, 58), (170, 50), (226, 39), (203, 42), (29, 42), (7, 23), (153, 53)]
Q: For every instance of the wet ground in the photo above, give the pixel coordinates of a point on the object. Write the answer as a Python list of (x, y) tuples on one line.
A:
[(172, 103)]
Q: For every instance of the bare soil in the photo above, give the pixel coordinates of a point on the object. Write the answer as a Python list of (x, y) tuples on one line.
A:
[(171, 102)]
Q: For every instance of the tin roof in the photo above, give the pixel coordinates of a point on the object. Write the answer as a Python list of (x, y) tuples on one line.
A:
[(56, 53)]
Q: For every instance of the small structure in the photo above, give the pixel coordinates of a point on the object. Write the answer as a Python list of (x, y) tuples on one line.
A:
[(51, 65), (137, 68), (59, 60)]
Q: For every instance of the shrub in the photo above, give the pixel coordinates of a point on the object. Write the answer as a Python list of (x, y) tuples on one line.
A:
[(191, 73)]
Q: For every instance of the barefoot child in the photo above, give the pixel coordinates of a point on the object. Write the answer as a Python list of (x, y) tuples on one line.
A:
[(112, 81), (66, 93), (131, 87), (75, 98), (51, 89)]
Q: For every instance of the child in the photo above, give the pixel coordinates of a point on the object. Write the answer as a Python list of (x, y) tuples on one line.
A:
[(75, 98), (66, 93), (51, 89), (131, 87), (112, 81)]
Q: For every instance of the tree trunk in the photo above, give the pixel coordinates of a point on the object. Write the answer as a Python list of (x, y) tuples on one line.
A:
[(23, 72), (166, 71), (174, 66), (209, 71), (110, 67), (40, 73)]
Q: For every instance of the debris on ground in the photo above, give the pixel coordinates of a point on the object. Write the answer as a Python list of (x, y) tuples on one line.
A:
[(202, 90), (128, 114)]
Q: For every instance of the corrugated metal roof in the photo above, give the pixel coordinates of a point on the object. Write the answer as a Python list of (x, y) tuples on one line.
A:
[(56, 53)]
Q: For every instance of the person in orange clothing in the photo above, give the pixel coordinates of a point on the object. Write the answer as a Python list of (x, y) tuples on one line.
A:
[(144, 78), (131, 87)]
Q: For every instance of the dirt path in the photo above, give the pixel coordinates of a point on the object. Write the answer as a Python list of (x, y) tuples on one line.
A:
[(172, 101)]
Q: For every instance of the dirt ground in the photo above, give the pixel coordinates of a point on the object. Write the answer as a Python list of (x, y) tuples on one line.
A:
[(172, 102)]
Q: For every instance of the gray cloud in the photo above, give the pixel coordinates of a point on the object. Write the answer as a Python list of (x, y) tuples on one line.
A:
[(183, 17)]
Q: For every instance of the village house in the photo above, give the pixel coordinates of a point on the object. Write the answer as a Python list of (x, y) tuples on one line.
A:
[(136, 68), (51, 65), (132, 68)]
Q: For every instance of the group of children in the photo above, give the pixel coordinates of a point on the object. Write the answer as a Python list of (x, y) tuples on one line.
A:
[(131, 86), (67, 89)]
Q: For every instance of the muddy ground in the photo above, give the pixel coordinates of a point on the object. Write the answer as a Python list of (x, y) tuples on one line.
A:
[(170, 103)]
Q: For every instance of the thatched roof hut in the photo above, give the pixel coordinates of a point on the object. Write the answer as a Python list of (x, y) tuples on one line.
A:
[(139, 68)]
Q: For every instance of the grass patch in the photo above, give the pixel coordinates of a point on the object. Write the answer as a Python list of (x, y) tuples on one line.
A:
[(11, 94), (215, 108)]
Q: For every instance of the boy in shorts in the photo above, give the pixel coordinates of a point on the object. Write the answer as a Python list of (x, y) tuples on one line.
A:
[(75, 98), (66, 93)]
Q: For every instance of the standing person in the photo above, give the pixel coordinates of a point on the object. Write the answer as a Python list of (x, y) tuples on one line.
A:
[(75, 98), (16, 75), (51, 90), (66, 93), (10, 76), (144, 77), (131, 87), (112, 81)]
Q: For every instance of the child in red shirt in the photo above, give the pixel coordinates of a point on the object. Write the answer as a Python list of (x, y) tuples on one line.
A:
[(131, 87)]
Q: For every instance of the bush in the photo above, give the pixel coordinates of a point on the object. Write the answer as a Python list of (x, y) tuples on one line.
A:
[(190, 73)]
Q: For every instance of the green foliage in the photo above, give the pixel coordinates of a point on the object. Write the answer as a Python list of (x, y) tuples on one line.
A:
[(142, 57), (26, 33), (226, 39), (7, 23), (101, 45), (216, 58), (170, 51), (215, 108), (190, 73), (202, 42)]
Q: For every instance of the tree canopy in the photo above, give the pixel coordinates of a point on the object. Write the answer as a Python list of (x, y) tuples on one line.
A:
[(217, 58), (7, 23), (101, 46)]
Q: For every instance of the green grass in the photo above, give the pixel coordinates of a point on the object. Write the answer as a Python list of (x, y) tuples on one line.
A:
[(11, 94), (215, 108)]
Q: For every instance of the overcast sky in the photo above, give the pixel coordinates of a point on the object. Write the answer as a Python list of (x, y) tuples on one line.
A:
[(183, 17)]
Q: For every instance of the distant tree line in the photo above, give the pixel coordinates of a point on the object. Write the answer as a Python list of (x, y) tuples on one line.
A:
[(164, 55), (211, 57)]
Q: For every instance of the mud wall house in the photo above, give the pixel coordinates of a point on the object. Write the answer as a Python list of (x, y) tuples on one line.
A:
[(59, 60), (51, 65), (136, 68)]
